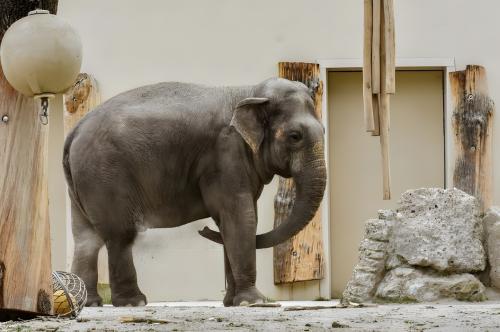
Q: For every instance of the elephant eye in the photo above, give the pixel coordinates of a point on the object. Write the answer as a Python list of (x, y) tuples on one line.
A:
[(295, 136)]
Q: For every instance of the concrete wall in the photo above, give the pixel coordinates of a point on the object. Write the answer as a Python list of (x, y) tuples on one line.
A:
[(230, 42)]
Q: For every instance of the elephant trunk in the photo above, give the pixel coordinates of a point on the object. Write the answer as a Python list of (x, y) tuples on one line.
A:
[(310, 181)]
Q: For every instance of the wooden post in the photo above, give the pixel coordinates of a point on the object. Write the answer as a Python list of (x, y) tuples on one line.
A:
[(472, 125), (376, 46), (80, 99), (367, 67), (389, 47), (301, 257), (25, 257), (386, 73)]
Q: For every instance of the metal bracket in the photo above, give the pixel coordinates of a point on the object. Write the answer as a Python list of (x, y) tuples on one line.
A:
[(44, 113)]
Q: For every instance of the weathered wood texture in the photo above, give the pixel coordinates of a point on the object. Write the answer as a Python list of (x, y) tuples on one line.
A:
[(300, 258), (375, 45), (472, 124), (367, 65), (389, 58), (25, 257), (80, 99), (386, 73), (381, 70)]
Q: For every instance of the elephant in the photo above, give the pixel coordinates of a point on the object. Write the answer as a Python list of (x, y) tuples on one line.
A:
[(167, 154)]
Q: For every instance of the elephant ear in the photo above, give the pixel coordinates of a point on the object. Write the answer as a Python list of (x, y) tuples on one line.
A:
[(247, 120)]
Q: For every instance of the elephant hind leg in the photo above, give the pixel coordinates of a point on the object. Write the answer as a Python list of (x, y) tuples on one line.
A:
[(86, 251), (122, 274)]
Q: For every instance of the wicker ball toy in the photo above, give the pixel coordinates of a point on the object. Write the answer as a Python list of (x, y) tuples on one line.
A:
[(70, 294)]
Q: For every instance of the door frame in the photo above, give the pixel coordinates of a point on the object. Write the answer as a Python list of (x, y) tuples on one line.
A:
[(447, 65)]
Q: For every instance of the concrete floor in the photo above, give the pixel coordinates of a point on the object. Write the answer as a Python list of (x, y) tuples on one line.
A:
[(211, 316)]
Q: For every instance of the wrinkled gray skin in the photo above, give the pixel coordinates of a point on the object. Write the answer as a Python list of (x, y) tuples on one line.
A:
[(171, 153)]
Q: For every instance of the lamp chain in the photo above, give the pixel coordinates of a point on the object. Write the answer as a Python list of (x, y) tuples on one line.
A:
[(44, 113)]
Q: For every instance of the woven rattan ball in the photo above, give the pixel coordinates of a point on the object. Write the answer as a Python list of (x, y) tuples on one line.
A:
[(70, 294)]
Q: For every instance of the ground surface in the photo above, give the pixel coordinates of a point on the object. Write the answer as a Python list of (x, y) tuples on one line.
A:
[(211, 316)]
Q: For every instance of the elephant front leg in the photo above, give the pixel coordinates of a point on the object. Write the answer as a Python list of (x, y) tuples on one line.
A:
[(230, 286), (238, 234)]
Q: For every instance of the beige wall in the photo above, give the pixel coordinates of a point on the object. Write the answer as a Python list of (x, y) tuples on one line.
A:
[(130, 43)]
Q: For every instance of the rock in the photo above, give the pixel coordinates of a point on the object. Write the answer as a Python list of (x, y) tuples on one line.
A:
[(372, 256), (378, 229), (408, 284), (441, 229), (491, 224)]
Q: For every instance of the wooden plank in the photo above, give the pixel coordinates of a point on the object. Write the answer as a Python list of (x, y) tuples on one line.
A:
[(376, 46), (389, 47), (25, 257), (384, 117), (300, 258), (472, 125), (367, 67), (80, 99)]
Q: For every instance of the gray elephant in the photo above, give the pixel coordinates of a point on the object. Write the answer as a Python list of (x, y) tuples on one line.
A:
[(168, 154)]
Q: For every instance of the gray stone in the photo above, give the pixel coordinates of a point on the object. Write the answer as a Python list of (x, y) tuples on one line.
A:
[(371, 264), (441, 229), (492, 236), (378, 229), (408, 284)]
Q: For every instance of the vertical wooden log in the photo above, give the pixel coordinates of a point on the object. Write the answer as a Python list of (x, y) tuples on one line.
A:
[(25, 257), (389, 48), (376, 116), (472, 125), (367, 67), (384, 106), (24, 220), (376, 46), (80, 99), (301, 257)]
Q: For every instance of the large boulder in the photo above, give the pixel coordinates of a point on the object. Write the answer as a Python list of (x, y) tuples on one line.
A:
[(409, 284), (492, 237), (441, 229)]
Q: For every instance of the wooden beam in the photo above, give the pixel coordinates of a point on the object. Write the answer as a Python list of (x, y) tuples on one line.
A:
[(389, 48), (300, 258), (367, 67), (25, 257), (384, 106), (376, 46), (472, 124), (376, 115)]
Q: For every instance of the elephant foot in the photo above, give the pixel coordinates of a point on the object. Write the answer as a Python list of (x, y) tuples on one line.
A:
[(228, 298), (137, 300), (248, 296), (93, 300)]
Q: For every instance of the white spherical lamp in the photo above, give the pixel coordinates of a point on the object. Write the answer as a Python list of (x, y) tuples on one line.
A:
[(41, 55)]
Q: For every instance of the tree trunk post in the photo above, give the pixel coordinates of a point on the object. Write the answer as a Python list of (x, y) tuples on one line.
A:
[(25, 256), (301, 258), (472, 124)]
